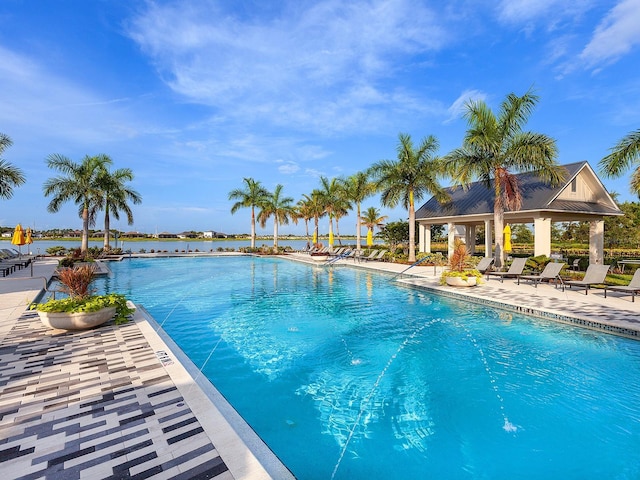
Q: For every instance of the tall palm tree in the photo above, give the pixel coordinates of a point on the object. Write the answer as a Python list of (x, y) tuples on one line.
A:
[(251, 196), (316, 208), (495, 148), (79, 182), (304, 212), (357, 188), (409, 178), (281, 208), (332, 198), (372, 218), (115, 197), (621, 158), (10, 176)]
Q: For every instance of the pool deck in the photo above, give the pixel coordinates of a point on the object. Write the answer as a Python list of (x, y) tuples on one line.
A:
[(124, 402)]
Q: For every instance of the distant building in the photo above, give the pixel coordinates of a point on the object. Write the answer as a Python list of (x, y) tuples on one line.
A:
[(188, 235), (167, 235), (213, 234)]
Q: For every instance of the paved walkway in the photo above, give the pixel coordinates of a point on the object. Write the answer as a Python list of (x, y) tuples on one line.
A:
[(122, 402), (112, 402)]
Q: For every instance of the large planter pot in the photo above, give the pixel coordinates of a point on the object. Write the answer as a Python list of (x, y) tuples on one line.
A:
[(76, 321), (319, 258), (461, 282)]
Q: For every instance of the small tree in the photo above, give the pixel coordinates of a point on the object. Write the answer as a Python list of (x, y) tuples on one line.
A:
[(395, 233)]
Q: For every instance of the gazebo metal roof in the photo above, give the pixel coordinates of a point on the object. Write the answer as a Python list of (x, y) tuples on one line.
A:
[(476, 201)]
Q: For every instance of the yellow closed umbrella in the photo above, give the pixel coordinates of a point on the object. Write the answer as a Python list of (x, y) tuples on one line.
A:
[(28, 240), (315, 238), (369, 238), (507, 238), (18, 237), (331, 239)]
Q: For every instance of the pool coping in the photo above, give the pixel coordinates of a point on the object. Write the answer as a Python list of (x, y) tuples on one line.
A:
[(239, 445), (603, 327)]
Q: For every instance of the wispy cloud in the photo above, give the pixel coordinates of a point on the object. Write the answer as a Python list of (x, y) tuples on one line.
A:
[(315, 67), (457, 108), (546, 14), (615, 36)]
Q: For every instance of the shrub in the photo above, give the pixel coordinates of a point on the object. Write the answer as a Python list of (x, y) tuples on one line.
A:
[(75, 281)]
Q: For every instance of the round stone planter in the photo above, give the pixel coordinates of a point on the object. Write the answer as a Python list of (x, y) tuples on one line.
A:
[(461, 282), (319, 258), (76, 321)]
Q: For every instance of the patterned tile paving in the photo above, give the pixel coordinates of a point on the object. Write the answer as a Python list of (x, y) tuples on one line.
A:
[(95, 404)]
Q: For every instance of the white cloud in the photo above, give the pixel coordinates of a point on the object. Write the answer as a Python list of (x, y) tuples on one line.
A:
[(547, 13), (457, 108), (288, 168), (615, 36), (312, 67)]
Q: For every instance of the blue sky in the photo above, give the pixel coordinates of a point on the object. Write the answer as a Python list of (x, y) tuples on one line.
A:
[(195, 95)]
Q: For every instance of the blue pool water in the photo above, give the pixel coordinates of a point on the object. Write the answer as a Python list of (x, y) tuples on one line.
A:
[(346, 375)]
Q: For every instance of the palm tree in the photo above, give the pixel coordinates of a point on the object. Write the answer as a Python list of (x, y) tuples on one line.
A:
[(252, 196), (115, 197), (621, 158), (357, 188), (495, 148), (409, 178), (10, 176), (332, 199), (280, 208), (314, 203), (372, 218), (80, 183), (304, 212)]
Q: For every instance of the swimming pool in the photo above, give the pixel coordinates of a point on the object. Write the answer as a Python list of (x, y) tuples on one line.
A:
[(346, 375)]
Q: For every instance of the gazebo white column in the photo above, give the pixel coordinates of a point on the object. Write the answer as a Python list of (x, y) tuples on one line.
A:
[(470, 238), (424, 238), (488, 237), (542, 236), (596, 242), (452, 238)]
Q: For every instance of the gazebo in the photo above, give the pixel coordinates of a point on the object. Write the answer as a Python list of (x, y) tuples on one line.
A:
[(581, 198)]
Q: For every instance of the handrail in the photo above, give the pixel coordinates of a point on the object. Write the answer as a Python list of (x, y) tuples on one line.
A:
[(44, 279), (410, 266)]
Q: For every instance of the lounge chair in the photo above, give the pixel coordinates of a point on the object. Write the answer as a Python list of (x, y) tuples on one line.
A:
[(515, 270), (633, 288), (484, 264), (379, 254), (595, 275), (8, 257), (551, 272), (6, 268)]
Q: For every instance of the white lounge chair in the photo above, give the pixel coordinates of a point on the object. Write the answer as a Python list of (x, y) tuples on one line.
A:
[(551, 272), (595, 275), (633, 288), (515, 270)]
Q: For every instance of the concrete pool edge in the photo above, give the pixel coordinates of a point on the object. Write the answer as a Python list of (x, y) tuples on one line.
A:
[(547, 314), (243, 451)]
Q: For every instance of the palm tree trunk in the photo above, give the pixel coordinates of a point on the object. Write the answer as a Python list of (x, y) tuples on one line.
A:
[(412, 229), (358, 226), (84, 246), (498, 221), (106, 245), (275, 233), (253, 228), (330, 226), (338, 232), (316, 228), (306, 230)]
